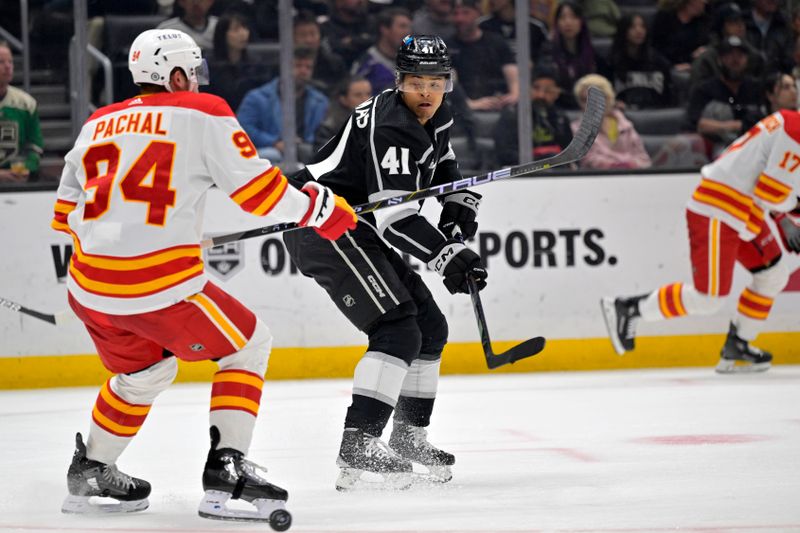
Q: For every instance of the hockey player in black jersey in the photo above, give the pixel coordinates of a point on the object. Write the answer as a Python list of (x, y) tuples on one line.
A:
[(394, 143)]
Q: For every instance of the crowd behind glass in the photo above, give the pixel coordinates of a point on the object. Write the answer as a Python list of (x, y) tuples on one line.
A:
[(682, 78)]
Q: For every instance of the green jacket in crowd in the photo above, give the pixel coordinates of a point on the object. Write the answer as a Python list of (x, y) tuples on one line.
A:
[(20, 133)]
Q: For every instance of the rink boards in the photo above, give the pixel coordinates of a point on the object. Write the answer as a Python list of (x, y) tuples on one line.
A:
[(553, 247)]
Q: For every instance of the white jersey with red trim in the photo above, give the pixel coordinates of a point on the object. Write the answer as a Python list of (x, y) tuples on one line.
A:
[(132, 194), (759, 171)]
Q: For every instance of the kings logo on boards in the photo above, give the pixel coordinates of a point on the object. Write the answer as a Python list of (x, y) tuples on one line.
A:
[(225, 260)]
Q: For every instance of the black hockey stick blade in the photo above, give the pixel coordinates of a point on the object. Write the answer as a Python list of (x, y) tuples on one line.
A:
[(529, 348), (13, 306), (581, 142)]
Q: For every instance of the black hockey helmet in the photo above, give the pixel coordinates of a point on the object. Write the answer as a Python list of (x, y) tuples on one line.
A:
[(423, 54)]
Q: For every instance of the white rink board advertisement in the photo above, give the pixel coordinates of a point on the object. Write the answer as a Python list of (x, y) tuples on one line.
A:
[(553, 247)]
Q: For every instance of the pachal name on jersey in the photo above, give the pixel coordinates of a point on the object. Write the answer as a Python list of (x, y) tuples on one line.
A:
[(148, 122)]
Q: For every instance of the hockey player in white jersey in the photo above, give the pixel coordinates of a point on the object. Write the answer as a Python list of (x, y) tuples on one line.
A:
[(757, 174), (131, 196)]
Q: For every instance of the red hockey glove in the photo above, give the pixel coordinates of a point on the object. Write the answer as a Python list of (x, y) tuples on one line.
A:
[(455, 262), (789, 229), (328, 214)]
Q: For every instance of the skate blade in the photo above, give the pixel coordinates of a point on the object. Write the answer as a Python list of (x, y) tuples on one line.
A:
[(97, 505), (353, 479), (214, 506), (436, 475), (610, 317), (727, 366)]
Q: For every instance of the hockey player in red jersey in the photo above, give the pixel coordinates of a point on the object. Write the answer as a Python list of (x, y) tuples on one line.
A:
[(757, 174), (131, 196), (396, 142)]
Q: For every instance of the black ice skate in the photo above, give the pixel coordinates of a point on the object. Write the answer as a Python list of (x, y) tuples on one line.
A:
[(621, 315), (361, 453), (229, 476), (87, 479), (738, 357), (411, 442)]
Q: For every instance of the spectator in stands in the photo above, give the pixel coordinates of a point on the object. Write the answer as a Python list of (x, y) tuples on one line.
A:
[(780, 91), (770, 31), (20, 134), (378, 62), (502, 21), (725, 107), (195, 21), (260, 111), (347, 31), (483, 61), (618, 145), (232, 73), (573, 52), (728, 20), (640, 75), (464, 121), (329, 67), (435, 18), (601, 17), (347, 95), (550, 131), (796, 70), (680, 31), (544, 10)]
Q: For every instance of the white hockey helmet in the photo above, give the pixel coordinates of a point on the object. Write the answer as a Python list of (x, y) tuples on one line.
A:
[(155, 53)]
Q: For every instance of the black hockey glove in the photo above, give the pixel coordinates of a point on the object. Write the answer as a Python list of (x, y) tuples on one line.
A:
[(459, 211), (789, 229), (454, 262)]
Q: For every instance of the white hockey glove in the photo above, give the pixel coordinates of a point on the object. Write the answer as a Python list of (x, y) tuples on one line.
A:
[(789, 229), (330, 215), (459, 212), (455, 262)]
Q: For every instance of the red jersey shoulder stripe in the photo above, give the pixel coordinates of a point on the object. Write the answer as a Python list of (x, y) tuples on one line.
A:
[(791, 124), (209, 104)]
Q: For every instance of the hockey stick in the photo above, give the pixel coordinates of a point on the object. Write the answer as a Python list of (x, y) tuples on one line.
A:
[(56, 319), (525, 349), (581, 142), (529, 348)]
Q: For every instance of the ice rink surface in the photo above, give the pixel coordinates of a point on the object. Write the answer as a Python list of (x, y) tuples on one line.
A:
[(629, 451)]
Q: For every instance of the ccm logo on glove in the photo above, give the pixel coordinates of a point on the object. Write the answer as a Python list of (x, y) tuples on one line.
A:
[(456, 263)]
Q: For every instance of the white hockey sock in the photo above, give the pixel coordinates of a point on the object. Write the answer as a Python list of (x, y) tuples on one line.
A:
[(236, 391), (121, 408), (380, 376), (675, 300), (422, 379)]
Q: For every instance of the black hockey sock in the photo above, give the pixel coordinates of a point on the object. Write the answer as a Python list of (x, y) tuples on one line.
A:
[(414, 411), (368, 414)]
